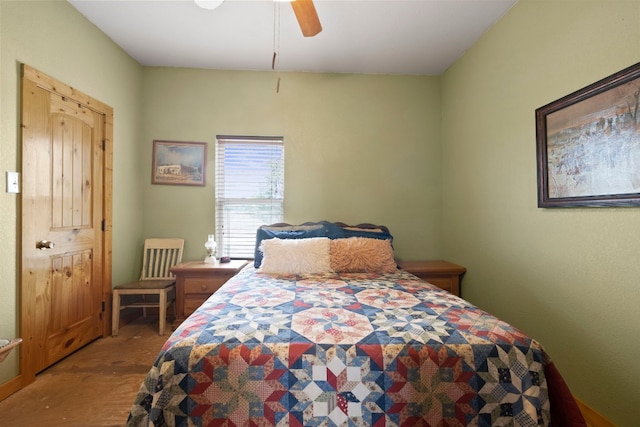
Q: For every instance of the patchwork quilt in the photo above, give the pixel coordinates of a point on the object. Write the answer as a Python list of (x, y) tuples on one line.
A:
[(349, 349)]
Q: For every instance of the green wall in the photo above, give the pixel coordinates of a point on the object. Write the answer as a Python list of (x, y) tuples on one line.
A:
[(568, 277), (55, 39), (358, 148)]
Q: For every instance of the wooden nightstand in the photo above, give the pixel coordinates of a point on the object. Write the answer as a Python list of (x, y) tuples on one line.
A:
[(443, 274), (196, 281)]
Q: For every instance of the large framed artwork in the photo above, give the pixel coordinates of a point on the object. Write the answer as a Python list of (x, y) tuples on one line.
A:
[(588, 145), (179, 163)]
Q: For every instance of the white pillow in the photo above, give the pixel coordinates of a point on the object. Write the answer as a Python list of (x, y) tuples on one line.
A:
[(296, 256)]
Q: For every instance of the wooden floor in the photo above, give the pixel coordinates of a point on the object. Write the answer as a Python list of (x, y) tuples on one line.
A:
[(93, 387)]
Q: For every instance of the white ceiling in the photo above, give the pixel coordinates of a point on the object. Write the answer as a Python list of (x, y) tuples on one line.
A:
[(421, 37)]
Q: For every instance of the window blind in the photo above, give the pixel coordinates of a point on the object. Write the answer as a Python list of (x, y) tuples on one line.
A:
[(249, 190)]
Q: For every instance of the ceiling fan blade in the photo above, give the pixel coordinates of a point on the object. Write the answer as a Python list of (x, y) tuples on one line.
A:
[(307, 17)]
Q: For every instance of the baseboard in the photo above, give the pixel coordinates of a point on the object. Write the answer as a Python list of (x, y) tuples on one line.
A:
[(593, 417), (10, 387)]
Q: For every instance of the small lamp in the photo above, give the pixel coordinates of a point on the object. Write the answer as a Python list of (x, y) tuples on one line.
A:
[(210, 246)]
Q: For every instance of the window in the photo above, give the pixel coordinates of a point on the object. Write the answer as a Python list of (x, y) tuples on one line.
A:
[(249, 190)]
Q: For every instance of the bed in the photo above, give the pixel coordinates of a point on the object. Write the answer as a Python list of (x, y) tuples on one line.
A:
[(323, 329)]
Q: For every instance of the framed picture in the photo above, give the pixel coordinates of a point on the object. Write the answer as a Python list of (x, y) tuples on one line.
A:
[(588, 145), (178, 163)]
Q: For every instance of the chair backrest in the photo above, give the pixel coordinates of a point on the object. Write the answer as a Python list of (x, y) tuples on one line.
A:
[(159, 256)]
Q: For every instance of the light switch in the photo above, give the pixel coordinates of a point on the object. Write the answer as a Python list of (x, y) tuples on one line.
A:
[(13, 182)]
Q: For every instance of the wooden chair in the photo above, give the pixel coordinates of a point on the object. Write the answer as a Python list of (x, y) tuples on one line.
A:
[(159, 256)]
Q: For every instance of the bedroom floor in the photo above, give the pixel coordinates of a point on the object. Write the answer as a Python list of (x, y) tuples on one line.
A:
[(95, 386)]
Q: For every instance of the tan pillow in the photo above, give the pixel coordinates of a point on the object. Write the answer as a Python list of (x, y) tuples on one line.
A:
[(361, 254)]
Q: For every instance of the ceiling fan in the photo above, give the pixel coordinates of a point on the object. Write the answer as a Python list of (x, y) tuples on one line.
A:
[(304, 10)]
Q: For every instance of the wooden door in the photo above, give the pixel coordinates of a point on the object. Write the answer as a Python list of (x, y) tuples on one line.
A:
[(63, 211)]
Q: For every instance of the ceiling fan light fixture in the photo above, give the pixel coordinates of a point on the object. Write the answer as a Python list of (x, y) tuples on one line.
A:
[(208, 4)]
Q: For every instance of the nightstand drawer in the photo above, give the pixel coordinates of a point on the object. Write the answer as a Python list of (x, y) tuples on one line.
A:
[(204, 285), (443, 274), (191, 304), (446, 283)]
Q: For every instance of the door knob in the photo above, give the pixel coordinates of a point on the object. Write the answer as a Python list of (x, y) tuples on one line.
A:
[(45, 244)]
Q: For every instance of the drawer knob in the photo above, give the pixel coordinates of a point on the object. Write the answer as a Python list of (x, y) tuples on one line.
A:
[(203, 287)]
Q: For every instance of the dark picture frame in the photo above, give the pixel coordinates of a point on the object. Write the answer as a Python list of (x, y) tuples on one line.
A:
[(179, 163), (588, 145)]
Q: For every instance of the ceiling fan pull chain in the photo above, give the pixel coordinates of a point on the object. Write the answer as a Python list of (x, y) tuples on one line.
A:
[(276, 41), (273, 62)]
